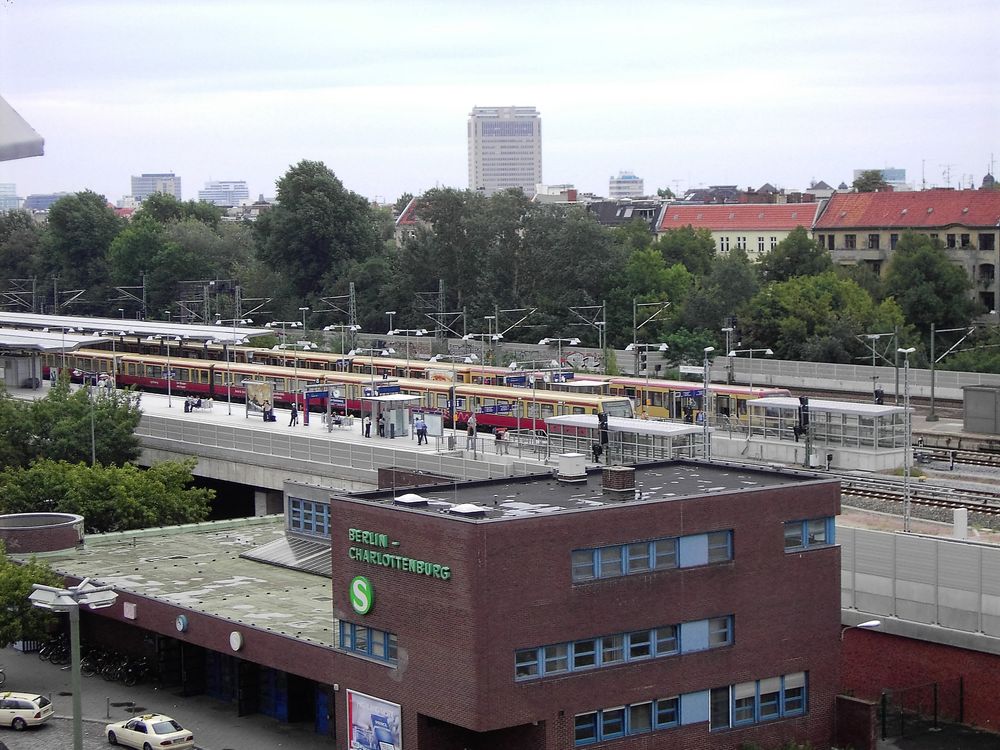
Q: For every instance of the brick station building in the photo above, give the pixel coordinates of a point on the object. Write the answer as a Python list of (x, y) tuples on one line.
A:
[(679, 604)]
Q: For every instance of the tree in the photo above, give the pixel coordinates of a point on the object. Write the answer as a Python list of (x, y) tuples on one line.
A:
[(19, 618), (81, 229), (815, 318), (401, 203), (796, 255), (57, 426), (870, 181), (110, 498), (21, 239), (732, 282), (692, 248), (315, 230), (665, 193), (927, 285), (165, 209)]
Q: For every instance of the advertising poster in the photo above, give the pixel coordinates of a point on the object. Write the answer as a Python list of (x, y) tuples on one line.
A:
[(258, 395), (374, 724)]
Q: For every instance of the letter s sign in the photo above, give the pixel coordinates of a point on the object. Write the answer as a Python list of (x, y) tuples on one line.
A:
[(362, 595)]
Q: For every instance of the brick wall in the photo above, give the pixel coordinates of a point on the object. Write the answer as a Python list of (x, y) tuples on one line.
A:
[(874, 661)]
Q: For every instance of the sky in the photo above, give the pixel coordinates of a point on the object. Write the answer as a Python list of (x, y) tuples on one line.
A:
[(683, 94)]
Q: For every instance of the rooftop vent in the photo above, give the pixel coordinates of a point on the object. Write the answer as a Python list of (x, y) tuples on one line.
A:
[(411, 501), (572, 468), (619, 479), (468, 510), (930, 210)]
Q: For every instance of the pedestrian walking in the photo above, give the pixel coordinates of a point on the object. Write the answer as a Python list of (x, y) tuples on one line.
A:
[(367, 423), (470, 434), (421, 427), (294, 418), (500, 442), (381, 425)]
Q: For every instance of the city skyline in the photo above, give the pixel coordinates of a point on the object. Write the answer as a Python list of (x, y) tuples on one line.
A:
[(717, 94)]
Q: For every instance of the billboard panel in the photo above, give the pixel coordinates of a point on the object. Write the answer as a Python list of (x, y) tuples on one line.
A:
[(373, 724)]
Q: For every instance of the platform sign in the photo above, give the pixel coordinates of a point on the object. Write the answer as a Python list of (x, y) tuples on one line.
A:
[(341, 402), (691, 370), (519, 380), (373, 723), (691, 394), (501, 408)]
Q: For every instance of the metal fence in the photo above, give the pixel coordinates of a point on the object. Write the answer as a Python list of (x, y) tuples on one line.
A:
[(905, 712)]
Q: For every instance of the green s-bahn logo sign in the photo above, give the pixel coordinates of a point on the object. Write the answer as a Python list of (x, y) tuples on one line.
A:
[(362, 595)]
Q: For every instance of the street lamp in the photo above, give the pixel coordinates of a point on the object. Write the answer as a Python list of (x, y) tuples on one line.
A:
[(390, 313), (559, 343), (767, 352), (163, 338), (661, 307), (295, 346), (407, 332), (283, 325), (69, 600), (229, 347), (453, 405), (553, 366), (633, 347), (909, 434), (343, 327), (121, 310), (868, 625), (484, 337), (371, 353), (728, 330), (303, 310), (704, 404)]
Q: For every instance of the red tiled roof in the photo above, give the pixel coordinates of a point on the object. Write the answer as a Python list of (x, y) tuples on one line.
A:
[(914, 209), (734, 217), (408, 216)]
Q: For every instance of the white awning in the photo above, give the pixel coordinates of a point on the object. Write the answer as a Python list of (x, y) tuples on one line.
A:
[(18, 140)]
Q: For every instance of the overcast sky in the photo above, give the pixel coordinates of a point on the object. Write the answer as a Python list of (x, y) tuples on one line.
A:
[(682, 93)]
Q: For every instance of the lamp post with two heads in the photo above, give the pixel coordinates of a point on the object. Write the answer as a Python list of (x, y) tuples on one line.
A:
[(343, 328), (484, 337), (452, 404), (909, 434), (229, 354), (407, 332), (636, 347)]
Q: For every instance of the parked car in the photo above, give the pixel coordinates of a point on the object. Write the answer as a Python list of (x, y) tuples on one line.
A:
[(150, 731), (23, 710)]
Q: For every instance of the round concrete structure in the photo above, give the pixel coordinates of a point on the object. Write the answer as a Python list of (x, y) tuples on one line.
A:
[(24, 533)]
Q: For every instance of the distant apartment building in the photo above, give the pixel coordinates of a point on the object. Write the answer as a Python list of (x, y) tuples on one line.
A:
[(505, 149), (565, 193), (753, 228), (225, 193), (864, 229), (625, 185), (8, 196), (147, 184), (42, 201), (894, 178)]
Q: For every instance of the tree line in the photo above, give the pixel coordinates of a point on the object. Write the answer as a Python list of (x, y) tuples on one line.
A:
[(489, 254)]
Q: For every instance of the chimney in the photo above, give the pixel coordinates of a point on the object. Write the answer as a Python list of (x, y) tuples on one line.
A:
[(572, 468), (619, 479)]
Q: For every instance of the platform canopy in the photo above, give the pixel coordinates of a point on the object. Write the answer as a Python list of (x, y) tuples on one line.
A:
[(627, 424), (18, 341), (223, 334), (18, 140), (817, 405)]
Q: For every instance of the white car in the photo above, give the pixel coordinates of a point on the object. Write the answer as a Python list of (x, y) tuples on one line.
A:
[(148, 732), (22, 710)]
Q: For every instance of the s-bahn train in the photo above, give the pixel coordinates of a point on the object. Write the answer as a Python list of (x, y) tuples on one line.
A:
[(653, 397), (493, 405)]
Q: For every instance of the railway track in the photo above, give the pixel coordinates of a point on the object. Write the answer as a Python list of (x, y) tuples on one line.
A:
[(952, 457), (978, 501)]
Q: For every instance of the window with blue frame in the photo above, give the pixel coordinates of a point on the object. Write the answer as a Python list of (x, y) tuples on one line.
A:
[(809, 533), (308, 517), (758, 701), (626, 721), (636, 558), (620, 648), (369, 642)]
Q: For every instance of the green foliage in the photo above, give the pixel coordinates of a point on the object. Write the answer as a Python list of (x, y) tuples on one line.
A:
[(81, 228), (19, 618), (57, 427), (692, 248), (315, 230), (731, 283), (110, 498), (401, 203), (928, 287), (21, 245), (665, 193), (815, 318), (166, 209), (870, 181), (796, 255)]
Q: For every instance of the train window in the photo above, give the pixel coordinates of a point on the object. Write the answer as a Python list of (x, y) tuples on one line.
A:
[(153, 371), (547, 410), (218, 377), (655, 398), (579, 410)]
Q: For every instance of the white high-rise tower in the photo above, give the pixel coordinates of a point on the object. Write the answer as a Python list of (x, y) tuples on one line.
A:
[(505, 149)]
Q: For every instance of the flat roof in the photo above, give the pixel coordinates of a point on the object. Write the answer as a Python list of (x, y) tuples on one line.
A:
[(14, 340), (832, 407), (630, 425), (126, 327), (198, 567), (518, 497)]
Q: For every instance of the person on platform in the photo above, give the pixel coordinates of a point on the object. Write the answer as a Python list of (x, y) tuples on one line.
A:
[(381, 425), (421, 427), (367, 426), (293, 419), (470, 435)]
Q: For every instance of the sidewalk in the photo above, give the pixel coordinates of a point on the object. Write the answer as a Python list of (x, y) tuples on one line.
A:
[(215, 724)]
